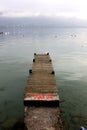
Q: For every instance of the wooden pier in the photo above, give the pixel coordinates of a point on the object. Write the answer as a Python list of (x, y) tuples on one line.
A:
[(41, 97)]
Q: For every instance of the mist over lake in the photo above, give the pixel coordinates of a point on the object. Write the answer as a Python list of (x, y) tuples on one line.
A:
[(68, 49)]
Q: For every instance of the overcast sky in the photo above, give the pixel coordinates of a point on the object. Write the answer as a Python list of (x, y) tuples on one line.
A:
[(51, 8)]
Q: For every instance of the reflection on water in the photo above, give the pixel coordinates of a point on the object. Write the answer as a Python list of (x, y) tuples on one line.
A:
[(68, 49)]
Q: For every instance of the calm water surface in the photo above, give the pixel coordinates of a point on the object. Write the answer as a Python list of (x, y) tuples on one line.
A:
[(68, 50)]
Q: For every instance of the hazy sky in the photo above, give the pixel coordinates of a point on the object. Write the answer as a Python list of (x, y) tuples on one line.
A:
[(51, 8)]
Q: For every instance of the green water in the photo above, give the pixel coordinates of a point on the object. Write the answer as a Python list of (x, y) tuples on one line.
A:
[(68, 50)]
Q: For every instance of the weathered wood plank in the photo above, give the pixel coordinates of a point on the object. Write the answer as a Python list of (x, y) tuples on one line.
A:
[(41, 97), (41, 80)]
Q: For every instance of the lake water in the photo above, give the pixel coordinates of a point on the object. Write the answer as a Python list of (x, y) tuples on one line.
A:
[(68, 50)]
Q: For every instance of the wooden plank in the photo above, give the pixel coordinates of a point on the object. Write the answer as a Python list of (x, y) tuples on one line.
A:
[(41, 97), (41, 82)]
